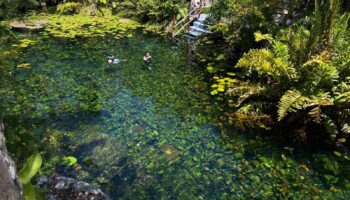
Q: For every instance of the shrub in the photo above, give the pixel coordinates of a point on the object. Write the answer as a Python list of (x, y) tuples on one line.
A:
[(69, 8)]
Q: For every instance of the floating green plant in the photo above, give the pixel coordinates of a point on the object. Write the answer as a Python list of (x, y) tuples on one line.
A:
[(72, 26), (24, 43)]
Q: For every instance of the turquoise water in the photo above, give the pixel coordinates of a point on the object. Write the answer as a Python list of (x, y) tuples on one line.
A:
[(151, 134)]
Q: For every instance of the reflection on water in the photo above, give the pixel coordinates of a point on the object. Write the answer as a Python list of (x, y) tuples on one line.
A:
[(141, 134)]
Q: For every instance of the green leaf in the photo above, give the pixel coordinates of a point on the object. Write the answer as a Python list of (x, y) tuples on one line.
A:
[(29, 192), (259, 37), (342, 140), (330, 126), (30, 168), (70, 160), (292, 100), (337, 153)]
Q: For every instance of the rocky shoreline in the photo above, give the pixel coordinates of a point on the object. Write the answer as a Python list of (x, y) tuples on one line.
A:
[(61, 188), (55, 187)]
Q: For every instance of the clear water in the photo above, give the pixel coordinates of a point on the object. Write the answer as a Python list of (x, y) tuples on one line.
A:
[(150, 134)]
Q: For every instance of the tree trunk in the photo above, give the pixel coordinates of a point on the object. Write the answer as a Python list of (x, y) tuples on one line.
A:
[(10, 187)]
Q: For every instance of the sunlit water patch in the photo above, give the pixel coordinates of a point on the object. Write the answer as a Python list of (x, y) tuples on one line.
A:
[(150, 134)]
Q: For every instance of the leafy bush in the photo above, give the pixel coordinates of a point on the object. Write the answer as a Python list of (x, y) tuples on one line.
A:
[(300, 78), (69, 8)]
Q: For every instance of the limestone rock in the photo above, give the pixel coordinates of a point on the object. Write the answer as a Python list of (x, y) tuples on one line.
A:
[(36, 25), (61, 188), (10, 187)]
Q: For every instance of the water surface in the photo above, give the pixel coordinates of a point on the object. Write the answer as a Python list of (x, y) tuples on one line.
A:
[(151, 134)]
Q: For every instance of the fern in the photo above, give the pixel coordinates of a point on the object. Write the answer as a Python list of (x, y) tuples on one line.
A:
[(259, 36), (319, 73), (291, 101), (343, 98), (252, 107), (323, 99), (281, 50), (265, 62), (342, 94), (330, 126), (243, 91)]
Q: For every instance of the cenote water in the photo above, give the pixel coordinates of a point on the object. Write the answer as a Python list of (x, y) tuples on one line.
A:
[(151, 134)]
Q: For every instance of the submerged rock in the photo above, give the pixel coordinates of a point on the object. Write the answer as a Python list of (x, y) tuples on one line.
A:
[(137, 129), (170, 152), (61, 188), (10, 187)]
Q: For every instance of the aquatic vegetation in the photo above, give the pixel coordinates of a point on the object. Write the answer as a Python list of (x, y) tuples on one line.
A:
[(70, 160), (221, 85), (24, 43), (141, 134), (170, 152), (72, 26), (137, 129)]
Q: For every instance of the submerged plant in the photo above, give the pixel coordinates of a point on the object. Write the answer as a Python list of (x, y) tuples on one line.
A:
[(72, 26), (170, 152), (137, 129)]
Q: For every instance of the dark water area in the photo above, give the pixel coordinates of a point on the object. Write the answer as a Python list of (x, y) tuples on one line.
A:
[(151, 134)]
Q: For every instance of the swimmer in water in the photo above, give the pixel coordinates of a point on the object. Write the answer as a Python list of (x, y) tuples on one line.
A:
[(113, 60), (147, 59)]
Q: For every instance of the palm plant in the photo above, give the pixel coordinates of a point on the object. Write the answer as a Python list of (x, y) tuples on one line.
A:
[(301, 71)]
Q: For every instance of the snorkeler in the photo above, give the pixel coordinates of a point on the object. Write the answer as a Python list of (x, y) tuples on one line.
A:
[(113, 60), (147, 59)]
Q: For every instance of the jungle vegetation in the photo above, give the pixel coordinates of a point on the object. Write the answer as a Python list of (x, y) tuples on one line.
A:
[(274, 65), (274, 70)]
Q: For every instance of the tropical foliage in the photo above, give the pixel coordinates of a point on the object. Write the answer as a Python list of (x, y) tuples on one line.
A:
[(276, 65), (298, 75)]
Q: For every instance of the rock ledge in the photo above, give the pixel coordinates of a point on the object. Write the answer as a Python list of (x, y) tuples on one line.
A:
[(62, 188), (36, 25)]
